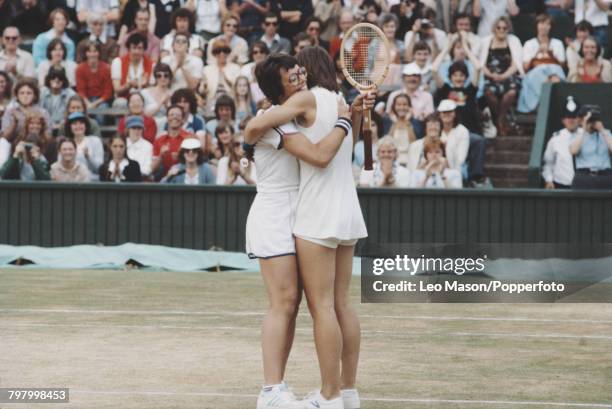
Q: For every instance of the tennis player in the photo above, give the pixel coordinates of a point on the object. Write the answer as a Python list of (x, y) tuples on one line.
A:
[(269, 234), (328, 224)]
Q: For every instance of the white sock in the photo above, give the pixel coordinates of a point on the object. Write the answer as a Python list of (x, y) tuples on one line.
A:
[(269, 388)]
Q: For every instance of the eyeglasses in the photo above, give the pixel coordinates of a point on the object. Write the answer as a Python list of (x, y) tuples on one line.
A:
[(230, 25), (501, 28), (11, 38), (162, 75), (175, 116), (225, 50), (271, 23), (181, 41), (294, 78)]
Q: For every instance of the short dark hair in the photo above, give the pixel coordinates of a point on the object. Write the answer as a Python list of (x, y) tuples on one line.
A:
[(311, 19), (401, 95), (181, 156), (320, 68), (225, 101), (458, 66), (135, 39), (188, 95), (268, 75), (258, 44), (54, 43), (271, 14), (183, 13), (162, 67), (174, 106), (584, 25), (421, 46), (66, 140), (459, 16), (56, 72), (433, 117), (32, 84)]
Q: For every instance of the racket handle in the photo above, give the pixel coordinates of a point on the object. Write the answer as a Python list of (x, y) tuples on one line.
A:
[(367, 139)]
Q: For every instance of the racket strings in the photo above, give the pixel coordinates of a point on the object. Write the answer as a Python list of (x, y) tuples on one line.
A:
[(365, 56)]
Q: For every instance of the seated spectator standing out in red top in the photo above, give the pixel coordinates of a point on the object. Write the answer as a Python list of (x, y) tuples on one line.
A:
[(132, 72), (93, 77), (166, 147)]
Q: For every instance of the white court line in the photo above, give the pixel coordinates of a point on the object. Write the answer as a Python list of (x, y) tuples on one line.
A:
[(252, 313), (388, 333), (369, 399)]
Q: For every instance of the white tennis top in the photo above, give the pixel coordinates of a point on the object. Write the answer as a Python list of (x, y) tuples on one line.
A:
[(328, 206), (277, 170)]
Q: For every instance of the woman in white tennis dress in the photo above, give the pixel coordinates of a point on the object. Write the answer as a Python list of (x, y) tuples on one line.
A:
[(328, 224), (269, 232)]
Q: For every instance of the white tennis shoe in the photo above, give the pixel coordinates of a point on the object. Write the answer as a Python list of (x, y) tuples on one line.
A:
[(314, 400), (278, 397), (351, 399)]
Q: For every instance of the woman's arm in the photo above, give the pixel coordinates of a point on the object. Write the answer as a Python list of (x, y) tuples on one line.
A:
[(318, 154), (435, 67), (298, 105), (476, 8)]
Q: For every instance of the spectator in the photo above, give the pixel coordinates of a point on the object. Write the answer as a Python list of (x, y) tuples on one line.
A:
[(93, 10), (90, 152), (56, 57), (163, 15), (8, 11), (501, 61), (345, 22), (455, 136), (229, 170), (388, 23), (187, 69), (293, 14), (26, 100), (67, 169), (136, 106), (245, 107), (58, 19), (422, 62), (558, 167), (54, 96), (313, 30), (371, 11), (32, 19), (421, 101), (142, 24), (387, 171), (93, 79), (157, 97), (119, 168), (6, 86), (301, 41), (77, 104), (208, 17), (462, 24), (490, 11), (259, 51), (543, 59), (591, 147), (238, 47), (402, 130), (13, 60), (328, 12), (192, 168), (225, 111), (449, 11), (129, 20), (166, 147), (464, 96), (183, 22), (275, 43), (109, 48), (407, 12), (583, 30), (138, 148), (595, 12), (193, 123), (591, 68), (28, 163), (132, 72), (435, 171), (224, 135), (252, 14), (219, 77), (423, 31)]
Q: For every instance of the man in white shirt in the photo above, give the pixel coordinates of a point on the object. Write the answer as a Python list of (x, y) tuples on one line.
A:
[(16, 62), (187, 69)]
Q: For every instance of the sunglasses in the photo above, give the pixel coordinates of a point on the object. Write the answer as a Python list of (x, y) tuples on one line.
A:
[(191, 150), (11, 38), (230, 25), (501, 28), (162, 75), (294, 78), (271, 23), (221, 50)]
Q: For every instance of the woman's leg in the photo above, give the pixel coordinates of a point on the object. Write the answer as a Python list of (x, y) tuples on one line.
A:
[(281, 280), (317, 270), (347, 316), (506, 103)]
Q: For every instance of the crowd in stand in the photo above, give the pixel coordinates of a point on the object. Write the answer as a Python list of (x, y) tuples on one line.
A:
[(177, 76)]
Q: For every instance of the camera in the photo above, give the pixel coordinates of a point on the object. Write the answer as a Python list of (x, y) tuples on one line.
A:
[(426, 24), (28, 145), (594, 110)]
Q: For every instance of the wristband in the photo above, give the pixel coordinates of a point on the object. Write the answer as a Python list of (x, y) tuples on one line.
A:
[(247, 147), (344, 124)]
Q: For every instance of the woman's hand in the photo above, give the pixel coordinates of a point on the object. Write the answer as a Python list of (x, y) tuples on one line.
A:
[(362, 101), (19, 150), (35, 152), (549, 185)]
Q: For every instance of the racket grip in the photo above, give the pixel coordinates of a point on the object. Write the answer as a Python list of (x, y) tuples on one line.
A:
[(367, 140)]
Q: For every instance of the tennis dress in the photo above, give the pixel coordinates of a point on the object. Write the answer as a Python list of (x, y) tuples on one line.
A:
[(272, 214), (328, 207)]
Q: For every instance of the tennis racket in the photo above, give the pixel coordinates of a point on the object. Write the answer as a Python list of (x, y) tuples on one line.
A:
[(365, 57)]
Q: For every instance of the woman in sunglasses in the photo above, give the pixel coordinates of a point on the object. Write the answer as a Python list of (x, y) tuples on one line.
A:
[(220, 76), (192, 168), (157, 97), (239, 48)]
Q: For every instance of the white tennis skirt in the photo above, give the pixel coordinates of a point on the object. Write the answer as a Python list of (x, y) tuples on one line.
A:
[(269, 227)]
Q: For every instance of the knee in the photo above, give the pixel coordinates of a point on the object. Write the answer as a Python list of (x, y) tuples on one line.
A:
[(286, 303), (320, 307), (510, 94)]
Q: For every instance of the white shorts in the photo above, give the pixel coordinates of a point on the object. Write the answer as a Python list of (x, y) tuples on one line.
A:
[(332, 243), (269, 227)]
